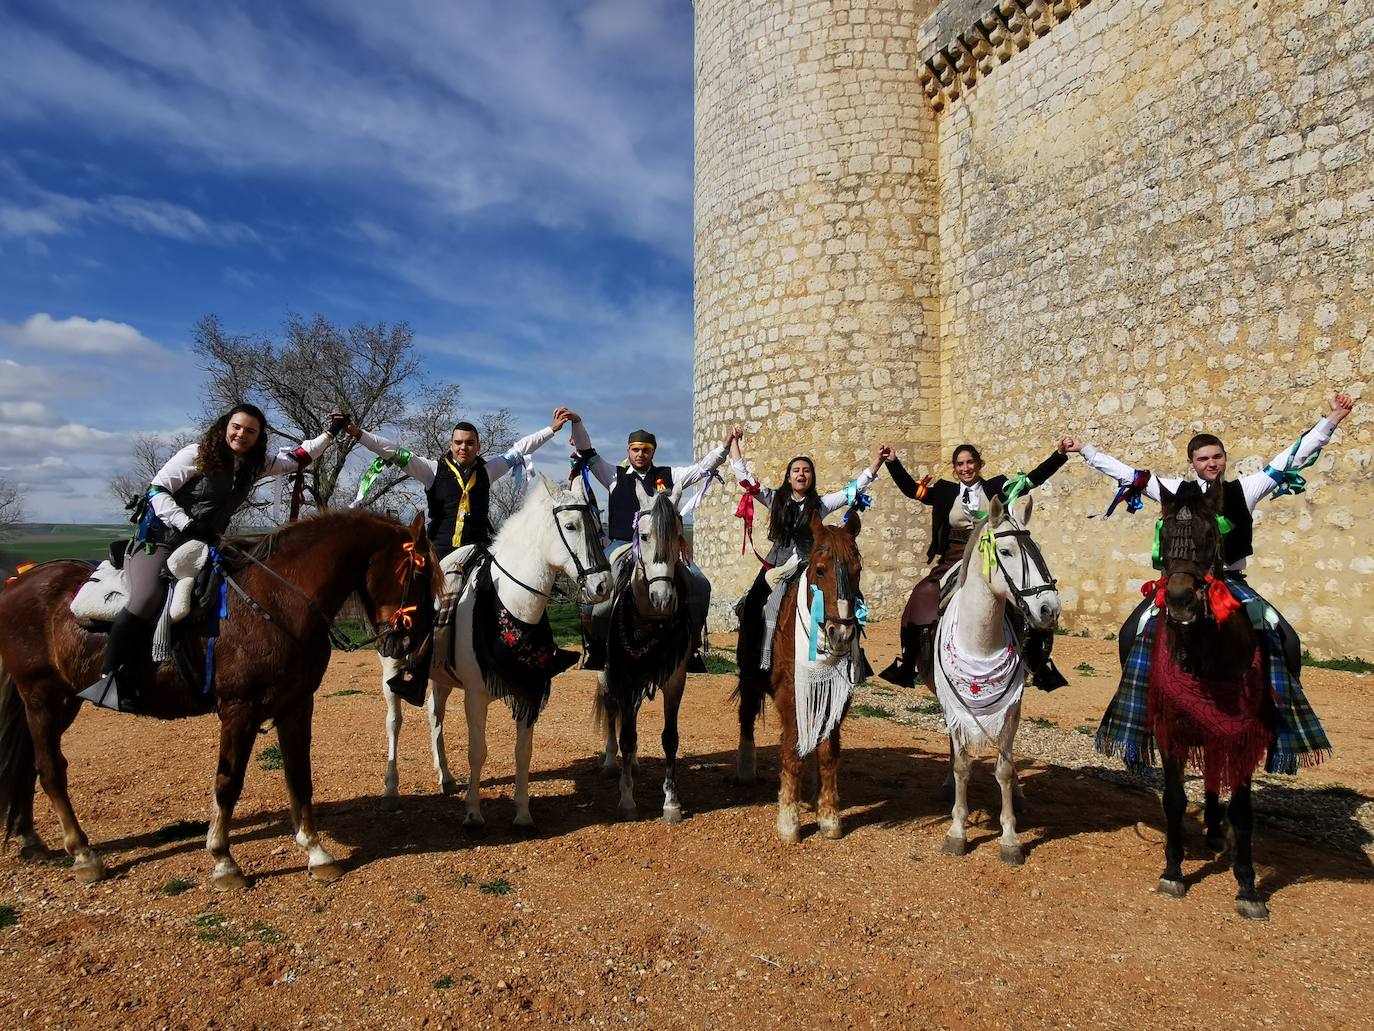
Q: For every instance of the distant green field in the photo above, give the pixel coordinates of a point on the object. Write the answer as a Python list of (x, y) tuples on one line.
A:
[(43, 542)]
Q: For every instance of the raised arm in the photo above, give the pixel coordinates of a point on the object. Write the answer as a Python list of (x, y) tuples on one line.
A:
[(916, 490), (503, 463), (1112, 467), (603, 470), (839, 499), (686, 475), (287, 460), (1049, 466), (418, 468), (1258, 486), (739, 466)]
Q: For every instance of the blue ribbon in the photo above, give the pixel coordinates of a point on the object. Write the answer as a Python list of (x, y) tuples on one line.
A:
[(857, 502), (223, 614), (861, 610), (1288, 478), (817, 617), (1129, 491)]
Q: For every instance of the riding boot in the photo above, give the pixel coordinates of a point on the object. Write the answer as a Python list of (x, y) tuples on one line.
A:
[(128, 649), (409, 685), (901, 671), (696, 663), (1045, 674)]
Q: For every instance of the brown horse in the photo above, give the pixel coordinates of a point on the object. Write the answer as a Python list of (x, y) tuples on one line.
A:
[(833, 568), (270, 655), (1209, 701)]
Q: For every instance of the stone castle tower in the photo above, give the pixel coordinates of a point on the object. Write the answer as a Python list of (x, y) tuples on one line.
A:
[(1006, 220)]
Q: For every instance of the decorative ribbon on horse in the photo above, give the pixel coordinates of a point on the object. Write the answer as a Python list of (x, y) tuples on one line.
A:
[(1016, 486), (19, 571), (580, 464), (745, 510), (634, 535), (1130, 492), (987, 550), (857, 502), (1221, 599), (1289, 479), (1155, 587), (1224, 526), (817, 618), (397, 461), (521, 469), (861, 611), (700, 495)]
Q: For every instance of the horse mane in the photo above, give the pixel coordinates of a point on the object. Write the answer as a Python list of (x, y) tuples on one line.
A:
[(970, 549), (667, 524), (841, 541), (530, 508)]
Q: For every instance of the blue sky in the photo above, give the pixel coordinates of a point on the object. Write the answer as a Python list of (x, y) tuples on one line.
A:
[(514, 179)]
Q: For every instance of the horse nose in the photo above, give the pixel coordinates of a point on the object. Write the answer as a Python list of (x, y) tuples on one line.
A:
[(597, 587), (663, 597), (1049, 610)]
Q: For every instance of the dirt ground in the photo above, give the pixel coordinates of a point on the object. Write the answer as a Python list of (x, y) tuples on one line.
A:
[(710, 923)]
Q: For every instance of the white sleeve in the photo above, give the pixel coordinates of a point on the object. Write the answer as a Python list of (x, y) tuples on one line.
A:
[(839, 499), (1120, 471), (170, 478), (686, 475), (284, 461), (503, 463), (1258, 486), (740, 468), (423, 470)]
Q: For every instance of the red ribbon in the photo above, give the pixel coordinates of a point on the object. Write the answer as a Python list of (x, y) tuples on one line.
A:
[(302, 458), (745, 510), (1223, 602), (1155, 587)]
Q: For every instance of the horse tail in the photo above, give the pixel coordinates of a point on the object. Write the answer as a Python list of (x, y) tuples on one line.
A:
[(601, 717), (17, 769)]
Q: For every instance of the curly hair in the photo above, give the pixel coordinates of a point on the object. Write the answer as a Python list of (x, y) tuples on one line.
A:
[(213, 455), (810, 503)]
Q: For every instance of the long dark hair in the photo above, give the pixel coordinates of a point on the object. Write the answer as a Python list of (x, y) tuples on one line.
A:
[(213, 454), (811, 502)]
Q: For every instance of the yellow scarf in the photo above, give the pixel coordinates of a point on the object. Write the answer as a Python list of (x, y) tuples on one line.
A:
[(463, 505)]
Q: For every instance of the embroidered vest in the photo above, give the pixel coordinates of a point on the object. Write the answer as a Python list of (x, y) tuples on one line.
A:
[(445, 499), (624, 500), (1237, 544)]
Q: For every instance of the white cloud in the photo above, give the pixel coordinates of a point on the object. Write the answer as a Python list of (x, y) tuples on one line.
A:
[(76, 335), (22, 381), (24, 411)]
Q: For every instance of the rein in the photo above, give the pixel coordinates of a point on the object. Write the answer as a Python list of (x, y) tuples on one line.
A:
[(1030, 552), (590, 520)]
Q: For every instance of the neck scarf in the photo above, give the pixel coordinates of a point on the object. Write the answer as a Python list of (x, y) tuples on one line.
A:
[(464, 505)]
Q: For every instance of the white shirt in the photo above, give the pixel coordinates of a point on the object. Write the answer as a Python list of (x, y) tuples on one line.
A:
[(1256, 486), (829, 502), (182, 466), (425, 469), (683, 475)]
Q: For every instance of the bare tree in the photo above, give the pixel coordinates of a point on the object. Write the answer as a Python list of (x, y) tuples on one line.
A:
[(150, 454), (11, 507)]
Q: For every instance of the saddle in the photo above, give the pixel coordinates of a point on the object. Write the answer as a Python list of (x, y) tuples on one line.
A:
[(192, 580)]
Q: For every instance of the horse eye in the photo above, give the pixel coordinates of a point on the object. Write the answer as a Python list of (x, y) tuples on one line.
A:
[(644, 537), (1004, 551), (570, 526)]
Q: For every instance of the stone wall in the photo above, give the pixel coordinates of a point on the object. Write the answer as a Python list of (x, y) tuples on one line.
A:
[(1158, 219), (1014, 219), (816, 305)]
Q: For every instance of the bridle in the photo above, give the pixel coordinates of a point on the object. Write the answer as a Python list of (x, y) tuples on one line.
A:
[(1030, 556), (591, 533), (1180, 548)]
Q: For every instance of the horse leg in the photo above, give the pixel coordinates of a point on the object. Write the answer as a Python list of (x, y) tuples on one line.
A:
[(475, 702), (46, 728), (828, 774), (440, 688), (956, 841), (524, 749), (750, 705), (629, 751), (1175, 801), (1249, 904), (236, 733), (789, 813), (293, 735), (672, 702), (391, 780), (609, 767), (945, 793), (1213, 816)]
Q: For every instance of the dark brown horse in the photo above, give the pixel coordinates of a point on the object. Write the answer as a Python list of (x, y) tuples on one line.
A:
[(269, 657), (1209, 701), (833, 568)]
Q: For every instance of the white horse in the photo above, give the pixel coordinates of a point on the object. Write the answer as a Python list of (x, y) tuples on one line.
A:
[(555, 530), (979, 674), (649, 640)]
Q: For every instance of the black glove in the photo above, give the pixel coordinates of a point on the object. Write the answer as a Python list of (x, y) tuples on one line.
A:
[(200, 530), (337, 424)]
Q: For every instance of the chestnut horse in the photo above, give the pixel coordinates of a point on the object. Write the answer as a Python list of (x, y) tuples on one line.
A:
[(270, 655), (832, 572), (1209, 701)]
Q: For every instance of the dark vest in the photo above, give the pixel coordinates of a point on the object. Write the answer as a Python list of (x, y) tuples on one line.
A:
[(624, 500), (1237, 544), (795, 528), (446, 494), (210, 498)]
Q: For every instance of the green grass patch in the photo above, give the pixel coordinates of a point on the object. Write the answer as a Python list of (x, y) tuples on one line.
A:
[(214, 929), (1085, 730), (930, 707), (270, 758), (500, 886), (864, 709), (345, 692), (9, 916), (720, 664), (442, 983), (181, 831), (566, 621), (1087, 669), (265, 933), (418, 897), (177, 887), (1346, 664), (1041, 722)]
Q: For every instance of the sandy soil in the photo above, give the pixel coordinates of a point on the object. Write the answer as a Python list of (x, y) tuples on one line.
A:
[(711, 923)]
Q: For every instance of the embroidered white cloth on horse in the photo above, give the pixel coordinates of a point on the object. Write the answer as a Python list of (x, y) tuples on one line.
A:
[(822, 688), (107, 591), (976, 691)]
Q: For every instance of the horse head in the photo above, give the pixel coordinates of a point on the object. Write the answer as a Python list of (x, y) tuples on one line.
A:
[(401, 583), (658, 545), (834, 568), (1190, 545), (1014, 565), (576, 546)]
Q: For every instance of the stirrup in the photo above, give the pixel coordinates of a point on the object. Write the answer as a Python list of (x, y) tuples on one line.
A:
[(695, 663), (104, 693), (899, 673)]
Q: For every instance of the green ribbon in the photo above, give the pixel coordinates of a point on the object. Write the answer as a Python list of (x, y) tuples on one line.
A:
[(379, 464), (1289, 480), (1224, 526), (987, 548), (1016, 486)]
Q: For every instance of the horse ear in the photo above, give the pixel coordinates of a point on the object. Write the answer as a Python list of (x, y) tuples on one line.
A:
[(1166, 496), (1027, 507), (996, 510), (853, 524), (549, 487), (816, 523), (417, 527)]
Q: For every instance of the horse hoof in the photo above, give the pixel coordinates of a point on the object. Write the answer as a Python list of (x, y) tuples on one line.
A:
[(627, 814), (326, 872), (1252, 909), (672, 814), (523, 829), (1173, 889), (90, 872), (1215, 843), (1012, 855), (831, 830), (229, 880), (474, 825), (790, 835), (954, 846)]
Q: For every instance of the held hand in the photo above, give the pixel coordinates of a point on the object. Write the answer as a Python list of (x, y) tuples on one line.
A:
[(1341, 406), (338, 422), (561, 417), (731, 435), (886, 453), (1070, 445)]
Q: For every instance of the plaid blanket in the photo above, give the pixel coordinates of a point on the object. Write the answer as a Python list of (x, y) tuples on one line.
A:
[(1299, 739)]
